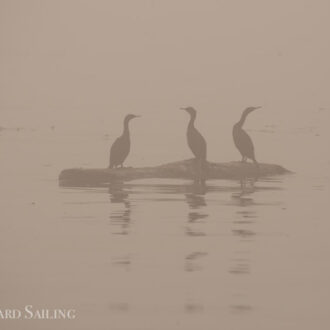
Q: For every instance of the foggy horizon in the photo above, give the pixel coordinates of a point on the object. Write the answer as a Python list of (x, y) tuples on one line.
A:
[(62, 57)]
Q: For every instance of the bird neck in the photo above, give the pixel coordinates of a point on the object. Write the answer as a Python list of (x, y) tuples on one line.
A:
[(242, 120), (192, 120), (126, 129)]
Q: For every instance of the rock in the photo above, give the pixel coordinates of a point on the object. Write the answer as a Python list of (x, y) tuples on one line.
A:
[(77, 177)]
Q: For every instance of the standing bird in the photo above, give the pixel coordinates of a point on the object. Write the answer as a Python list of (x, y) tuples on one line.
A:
[(120, 148), (242, 140), (196, 142)]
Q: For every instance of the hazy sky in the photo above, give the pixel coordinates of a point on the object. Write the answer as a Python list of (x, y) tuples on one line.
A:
[(68, 58)]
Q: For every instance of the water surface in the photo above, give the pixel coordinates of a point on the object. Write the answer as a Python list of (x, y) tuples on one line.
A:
[(159, 254)]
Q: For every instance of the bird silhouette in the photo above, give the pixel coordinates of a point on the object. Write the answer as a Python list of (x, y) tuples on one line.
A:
[(196, 141), (242, 140), (121, 147)]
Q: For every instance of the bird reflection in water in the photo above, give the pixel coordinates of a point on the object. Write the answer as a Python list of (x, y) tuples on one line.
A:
[(193, 262), (120, 219), (240, 262), (195, 195), (247, 187), (195, 198), (247, 216)]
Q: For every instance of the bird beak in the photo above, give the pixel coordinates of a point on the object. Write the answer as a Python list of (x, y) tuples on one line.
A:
[(255, 108), (137, 116)]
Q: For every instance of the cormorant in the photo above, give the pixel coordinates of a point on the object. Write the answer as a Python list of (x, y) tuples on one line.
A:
[(120, 148), (196, 141), (242, 140)]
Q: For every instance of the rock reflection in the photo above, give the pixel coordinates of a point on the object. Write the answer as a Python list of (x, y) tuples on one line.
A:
[(120, 219)]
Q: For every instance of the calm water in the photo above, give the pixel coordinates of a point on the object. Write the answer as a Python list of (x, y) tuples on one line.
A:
[(164, 254)]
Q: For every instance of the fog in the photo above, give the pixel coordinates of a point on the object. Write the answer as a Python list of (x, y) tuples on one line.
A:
[(161, 254), (73, 61)]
